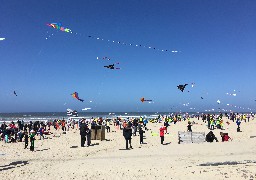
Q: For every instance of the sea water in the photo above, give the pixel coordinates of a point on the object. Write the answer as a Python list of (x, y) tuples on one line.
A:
[(44, 116)]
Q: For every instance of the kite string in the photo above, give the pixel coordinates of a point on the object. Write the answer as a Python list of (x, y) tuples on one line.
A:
[(58, 26)]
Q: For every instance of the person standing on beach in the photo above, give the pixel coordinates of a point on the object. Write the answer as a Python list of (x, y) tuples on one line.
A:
[(145, 121), (166, 124), (32, 140), (141, 135), (26, 139), (117, 123), (41, 132), (83, 133), (63, 124), (135, 125), (248, 117), (108, 126), (189, 127), (88, 136), (238, 122), (127, 133), (162, 128)]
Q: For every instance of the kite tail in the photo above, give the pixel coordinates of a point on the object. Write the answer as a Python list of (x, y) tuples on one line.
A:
[(81, 100)]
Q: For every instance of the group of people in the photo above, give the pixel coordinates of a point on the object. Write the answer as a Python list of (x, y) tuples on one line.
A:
[(27, 131), (128, 132), (12, 133)]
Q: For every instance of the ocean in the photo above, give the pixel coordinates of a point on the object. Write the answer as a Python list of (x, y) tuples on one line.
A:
[(43, 116)]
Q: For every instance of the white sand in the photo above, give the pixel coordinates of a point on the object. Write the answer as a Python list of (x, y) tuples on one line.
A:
[(54, 159)]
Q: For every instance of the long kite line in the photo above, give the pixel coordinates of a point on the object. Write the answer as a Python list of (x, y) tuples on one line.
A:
[(59, 26)]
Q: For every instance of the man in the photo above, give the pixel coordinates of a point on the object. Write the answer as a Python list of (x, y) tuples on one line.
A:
[(127, 133), (88, 135), (141, 135), (83, 133)]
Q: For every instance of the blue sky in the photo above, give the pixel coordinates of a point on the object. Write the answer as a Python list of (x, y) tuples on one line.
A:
[(215, 40)]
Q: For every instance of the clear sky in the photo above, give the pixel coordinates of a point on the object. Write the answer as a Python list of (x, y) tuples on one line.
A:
[(215, 40)]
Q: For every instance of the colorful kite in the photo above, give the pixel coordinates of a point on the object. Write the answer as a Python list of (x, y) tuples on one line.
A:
[(59, 26), (143, 99), (75, 95), (182, 87), (111, 66)]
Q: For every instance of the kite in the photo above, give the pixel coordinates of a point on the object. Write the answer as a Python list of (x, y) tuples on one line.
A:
[(218, 101), (75, 95), (143, 99), (103, 58), (182, 87), (187, 104), (1, 39), (202, 98), (136, 45), (192, 84), (111, 66), (70, 112), (234, 94), (60, 27), (15, 93), (85, 109)]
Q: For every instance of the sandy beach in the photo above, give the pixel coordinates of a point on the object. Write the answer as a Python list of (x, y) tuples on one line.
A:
[(61, 157)]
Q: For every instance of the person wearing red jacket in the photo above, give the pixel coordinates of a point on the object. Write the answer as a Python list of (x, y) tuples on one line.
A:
[(162, 129)]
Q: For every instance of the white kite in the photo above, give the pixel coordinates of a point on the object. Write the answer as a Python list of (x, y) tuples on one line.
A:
[(85, 109), (1, 39)]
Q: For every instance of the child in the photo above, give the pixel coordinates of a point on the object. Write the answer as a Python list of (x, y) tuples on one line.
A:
[(238, 122), (141, 135), (32, 140), (212, 124), (162, 128), (189, 127), (108, 126), (26, 139), (6, 138)]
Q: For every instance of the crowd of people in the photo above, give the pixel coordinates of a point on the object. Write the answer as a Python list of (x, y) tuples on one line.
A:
[(16, 132)]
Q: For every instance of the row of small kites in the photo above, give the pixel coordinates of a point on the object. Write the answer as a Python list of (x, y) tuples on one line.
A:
[(76, 96), (58, 26)]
